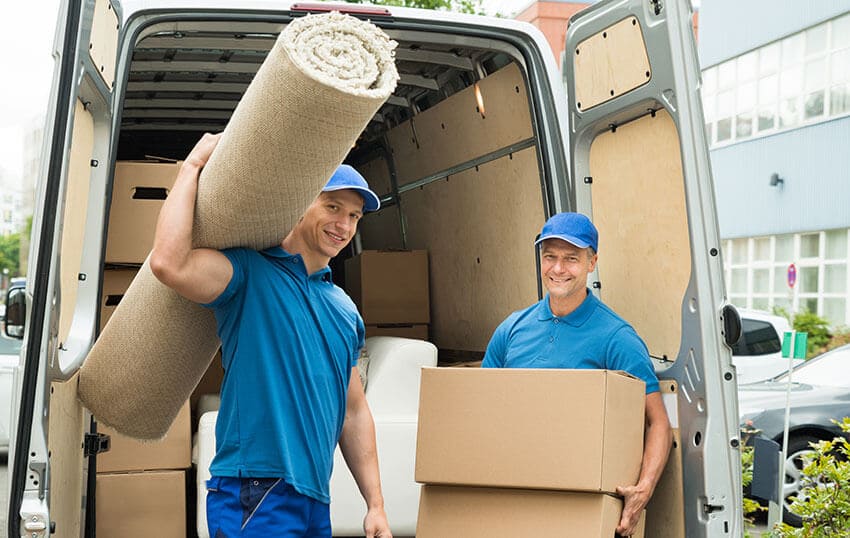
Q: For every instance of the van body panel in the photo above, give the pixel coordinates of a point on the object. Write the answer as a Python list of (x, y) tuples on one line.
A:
[(663, 237)]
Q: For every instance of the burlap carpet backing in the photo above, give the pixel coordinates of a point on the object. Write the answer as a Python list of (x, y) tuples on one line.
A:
[(318, 88)]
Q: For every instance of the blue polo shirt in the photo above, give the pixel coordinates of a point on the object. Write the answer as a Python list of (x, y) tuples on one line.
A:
[(592, 337), (289, 342)]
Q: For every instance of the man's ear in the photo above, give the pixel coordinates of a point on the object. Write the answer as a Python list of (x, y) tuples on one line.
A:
[(592, 263)]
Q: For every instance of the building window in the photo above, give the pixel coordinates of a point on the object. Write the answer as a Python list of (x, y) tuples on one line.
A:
[(801, 79), (757, 273)]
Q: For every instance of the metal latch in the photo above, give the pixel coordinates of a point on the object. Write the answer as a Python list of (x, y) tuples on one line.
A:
[(96, 443)]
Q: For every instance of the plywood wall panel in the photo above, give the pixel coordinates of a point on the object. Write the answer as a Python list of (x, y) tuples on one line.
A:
[(610, 63), (644, 263), (453, 131), (381, 230), (377, 175), (479, 228)]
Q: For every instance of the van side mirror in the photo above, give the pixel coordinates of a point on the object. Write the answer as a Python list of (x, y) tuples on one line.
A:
[(732, 326), (16, 312)]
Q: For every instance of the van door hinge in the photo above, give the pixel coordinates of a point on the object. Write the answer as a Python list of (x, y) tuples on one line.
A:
[(96, 443)]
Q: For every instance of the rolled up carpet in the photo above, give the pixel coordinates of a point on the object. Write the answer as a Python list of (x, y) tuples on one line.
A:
[(318, 88)]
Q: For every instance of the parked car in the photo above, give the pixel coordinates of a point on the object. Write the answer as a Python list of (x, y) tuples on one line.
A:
[(820, 392), (10, 348), (758, 354)]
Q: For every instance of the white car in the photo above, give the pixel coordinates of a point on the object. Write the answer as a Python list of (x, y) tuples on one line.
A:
[(758, 354)]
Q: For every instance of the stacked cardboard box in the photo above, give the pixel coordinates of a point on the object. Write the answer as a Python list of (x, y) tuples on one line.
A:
[(526, 452), (141, 486), (138, 192), (390, 288)]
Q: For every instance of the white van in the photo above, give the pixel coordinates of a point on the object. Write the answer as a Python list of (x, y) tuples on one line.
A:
[(481, 141)]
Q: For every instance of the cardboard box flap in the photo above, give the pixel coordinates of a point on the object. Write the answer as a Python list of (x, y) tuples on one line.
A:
[(626, 394)]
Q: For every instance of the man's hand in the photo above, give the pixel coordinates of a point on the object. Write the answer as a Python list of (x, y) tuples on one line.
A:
[(375, 525), (200, 154), (635, 499)]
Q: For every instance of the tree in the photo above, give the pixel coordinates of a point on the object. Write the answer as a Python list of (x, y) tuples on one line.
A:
[(10, 254), (474, 7)]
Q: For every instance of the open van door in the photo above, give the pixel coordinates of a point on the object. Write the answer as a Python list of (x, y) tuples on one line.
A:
[(60, 305), (639, 163)]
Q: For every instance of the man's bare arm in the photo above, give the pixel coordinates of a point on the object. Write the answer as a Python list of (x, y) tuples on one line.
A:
[(199, 275), (357, 443), (657, 442)]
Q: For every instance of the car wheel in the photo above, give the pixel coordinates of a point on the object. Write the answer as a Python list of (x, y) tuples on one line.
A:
[(798, 448)]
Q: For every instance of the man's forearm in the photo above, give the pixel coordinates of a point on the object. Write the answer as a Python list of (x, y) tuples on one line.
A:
[(357, 444), (173, 238), (656, 450)]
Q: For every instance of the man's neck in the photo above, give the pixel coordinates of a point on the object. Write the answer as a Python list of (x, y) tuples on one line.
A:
[(313, 261), (563, 306)]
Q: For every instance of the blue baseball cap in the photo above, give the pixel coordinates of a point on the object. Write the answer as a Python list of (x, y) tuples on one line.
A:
[(573, 228), (346, 177)]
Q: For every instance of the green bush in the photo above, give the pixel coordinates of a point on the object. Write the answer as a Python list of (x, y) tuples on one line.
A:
[(751, 507), (824, 503), (817, 328)]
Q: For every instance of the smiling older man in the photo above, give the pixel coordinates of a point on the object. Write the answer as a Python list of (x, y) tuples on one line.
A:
[(571, 328)]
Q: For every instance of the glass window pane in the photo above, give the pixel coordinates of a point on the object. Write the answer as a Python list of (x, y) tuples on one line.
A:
[(767, 118), (836, 245), (782, 302), (814, 105), (769, 58), (761, 303), (746, 97), (768, 87), (747, 66), (739, 281), (744, 125), (834, 310), (780, 280), (808, 280), (839, 99), (708, 103), (709, 80), (726, 75), (789, 112), (791, 82), (761, 249), (815, 74), (810, 304), (739, 251), (761, 280), (816, 39), (724, 129), (784, 248), (810, 246), (834, 278), (725, 103), (840, 66), (841, 32), (792, 50)]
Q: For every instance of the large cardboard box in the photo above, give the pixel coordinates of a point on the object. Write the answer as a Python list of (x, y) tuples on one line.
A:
[(419, 332), (115, 284), (466, 512), (390, 286), (174, 451), (141, 505), (578, 430), (138, 192)]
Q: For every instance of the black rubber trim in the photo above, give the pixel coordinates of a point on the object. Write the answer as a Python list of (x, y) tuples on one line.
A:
[(35, 328)]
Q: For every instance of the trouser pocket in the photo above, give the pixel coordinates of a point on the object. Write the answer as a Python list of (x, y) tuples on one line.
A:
[(252, 493)]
